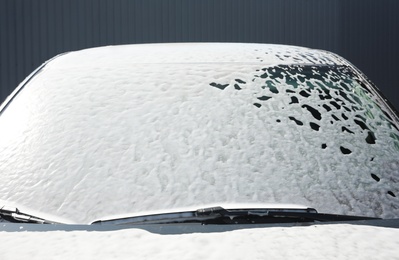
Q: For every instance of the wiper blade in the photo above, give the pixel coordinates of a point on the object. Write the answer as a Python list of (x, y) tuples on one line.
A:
[(260, 216), (219, 215), (13, 215)]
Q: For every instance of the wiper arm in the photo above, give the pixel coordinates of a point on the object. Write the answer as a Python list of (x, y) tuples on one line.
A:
[(219, 215), (13, 215)]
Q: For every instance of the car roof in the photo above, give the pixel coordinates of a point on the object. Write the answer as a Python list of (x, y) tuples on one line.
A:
[(197, 53)]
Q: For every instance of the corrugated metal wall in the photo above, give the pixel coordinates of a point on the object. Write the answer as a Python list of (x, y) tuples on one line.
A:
[(363, 31)]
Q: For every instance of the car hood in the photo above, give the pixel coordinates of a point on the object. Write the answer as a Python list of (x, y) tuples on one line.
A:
[(338, 241)]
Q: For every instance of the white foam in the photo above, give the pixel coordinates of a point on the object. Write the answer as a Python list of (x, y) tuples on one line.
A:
[(126, 129), (312, 242)]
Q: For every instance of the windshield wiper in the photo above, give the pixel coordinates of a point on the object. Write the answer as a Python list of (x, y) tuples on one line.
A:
[(13, 215), (219, 215), (205, 216)]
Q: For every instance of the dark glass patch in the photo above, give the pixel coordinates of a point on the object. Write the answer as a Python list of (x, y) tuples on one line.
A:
[(362, 118), (314, 126), (336, 118), (327, 94), (291, 81), (391, 193), (240, 81), (335, 104), (345, 150), (237, 87), (271, 87), (294, 100), (327, 107), (357, 100), (301, 79), (323, 146), (257, 105), (346, 108), (219, 86), (264, 98), (375, 177), (370, 139), (344, 129), (316, 114), (304, 93), (361, 124), (343, 94), (296, 120)]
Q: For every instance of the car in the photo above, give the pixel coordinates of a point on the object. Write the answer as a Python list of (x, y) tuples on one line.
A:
[(205, 141)]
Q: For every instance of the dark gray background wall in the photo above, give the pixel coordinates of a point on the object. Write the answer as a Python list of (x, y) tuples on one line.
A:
[(366, 32)]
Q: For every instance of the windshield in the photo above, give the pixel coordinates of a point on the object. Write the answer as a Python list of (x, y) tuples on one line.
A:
[(87, 142)]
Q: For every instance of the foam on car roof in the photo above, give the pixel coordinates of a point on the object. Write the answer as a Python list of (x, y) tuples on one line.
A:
[(196, 53)]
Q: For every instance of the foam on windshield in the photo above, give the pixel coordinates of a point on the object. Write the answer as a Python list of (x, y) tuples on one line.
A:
[(121, 129)]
